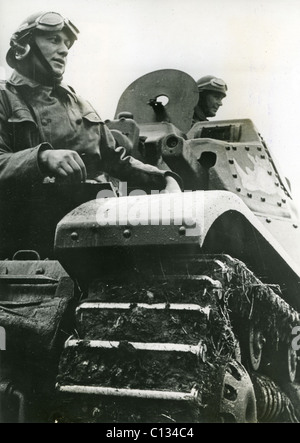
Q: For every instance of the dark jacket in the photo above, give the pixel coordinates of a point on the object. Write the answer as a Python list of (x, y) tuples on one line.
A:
[(35, 117)]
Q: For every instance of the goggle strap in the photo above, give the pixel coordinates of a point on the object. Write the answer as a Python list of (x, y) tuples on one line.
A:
[(36, 50)]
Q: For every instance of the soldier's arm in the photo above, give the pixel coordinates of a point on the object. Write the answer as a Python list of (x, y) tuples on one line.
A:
[(32, 165), (21, 166)]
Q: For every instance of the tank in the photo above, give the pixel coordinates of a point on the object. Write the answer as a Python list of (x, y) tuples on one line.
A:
[(156, 307)]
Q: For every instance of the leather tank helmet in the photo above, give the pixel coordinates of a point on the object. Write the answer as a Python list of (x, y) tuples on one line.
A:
[(22, 41), (212, 83)]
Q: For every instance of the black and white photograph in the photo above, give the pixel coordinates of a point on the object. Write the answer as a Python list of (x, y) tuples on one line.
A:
[(149, 214)]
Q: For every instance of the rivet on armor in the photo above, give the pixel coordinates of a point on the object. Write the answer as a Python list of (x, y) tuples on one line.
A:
[(227, 148), (247, 148), (279, 204), (263, 199), (268, 220), (127, 233), (231, 162), (234, 148), (270, 172), (182, 230), (295, 226), (238, 189), (259, 148), (234, 176), (74, 236), (249, 195)]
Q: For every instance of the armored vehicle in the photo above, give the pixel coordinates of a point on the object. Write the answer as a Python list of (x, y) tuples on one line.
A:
[(124, 305)]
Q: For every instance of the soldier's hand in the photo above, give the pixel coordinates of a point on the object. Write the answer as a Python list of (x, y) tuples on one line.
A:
[(63, 164)]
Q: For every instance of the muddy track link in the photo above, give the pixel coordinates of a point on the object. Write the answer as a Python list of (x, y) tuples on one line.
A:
[(180, 348)]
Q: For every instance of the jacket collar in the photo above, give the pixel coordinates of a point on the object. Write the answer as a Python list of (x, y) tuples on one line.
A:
[(199, 115), (18, 80)]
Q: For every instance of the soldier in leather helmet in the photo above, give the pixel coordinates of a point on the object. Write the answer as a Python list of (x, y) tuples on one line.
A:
[(212, 91), (46, 129)]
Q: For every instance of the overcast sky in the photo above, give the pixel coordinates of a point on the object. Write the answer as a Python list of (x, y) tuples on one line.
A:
[(252, 44)]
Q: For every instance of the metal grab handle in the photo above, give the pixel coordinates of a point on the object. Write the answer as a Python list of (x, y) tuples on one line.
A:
[(26, 255), (129, 393)]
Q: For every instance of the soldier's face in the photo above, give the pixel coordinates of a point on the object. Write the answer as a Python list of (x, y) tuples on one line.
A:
[(213, 102), (55, 48)]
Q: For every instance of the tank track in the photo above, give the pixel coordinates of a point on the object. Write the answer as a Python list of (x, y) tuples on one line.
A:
[(198, 347)]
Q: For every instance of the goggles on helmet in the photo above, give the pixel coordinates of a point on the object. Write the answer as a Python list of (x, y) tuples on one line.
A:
[(47, 22), (217, 83)]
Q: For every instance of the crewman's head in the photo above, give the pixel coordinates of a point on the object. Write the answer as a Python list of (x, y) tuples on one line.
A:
[(212, 91), (40, 46)]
